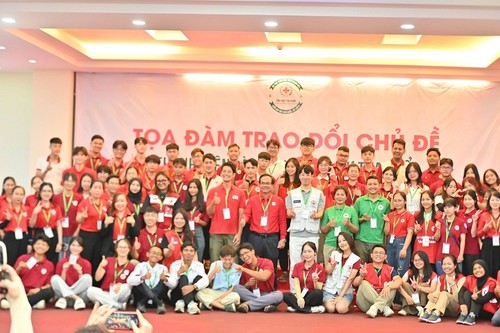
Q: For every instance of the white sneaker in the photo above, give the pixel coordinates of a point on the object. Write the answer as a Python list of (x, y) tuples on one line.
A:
[(193, 308), (40, 305), (179, 306), (372, 311), (61, 303), (387, 311), (290, 309), (4, 304), (79, 304), (318, 309)]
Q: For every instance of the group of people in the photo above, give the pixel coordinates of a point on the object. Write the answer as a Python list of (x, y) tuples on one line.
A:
[(389, 235)]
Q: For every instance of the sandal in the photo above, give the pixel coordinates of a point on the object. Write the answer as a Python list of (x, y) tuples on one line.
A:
[(243, 308), (270, 308)]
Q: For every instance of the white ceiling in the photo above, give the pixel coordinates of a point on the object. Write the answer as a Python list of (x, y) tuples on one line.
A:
[(432, 18)]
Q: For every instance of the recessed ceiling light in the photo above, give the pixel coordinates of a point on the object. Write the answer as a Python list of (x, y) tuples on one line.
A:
[(32, 61), (138, 22), (271, 24), (8, 20), (407, 26), (2, 47)]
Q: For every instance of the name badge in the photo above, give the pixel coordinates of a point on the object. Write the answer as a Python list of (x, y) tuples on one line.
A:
[(391, 239), (120, 237), (263, 221), (304, 292), (337, 231), (191, 225), (161, 217), (256, 292), (425, 241), (446, 248), (99, 224), (415, 298), (48, 232), (72, 259), (65, 222), (305, 214), (226, 213), (31, 262), (18, 233), (373, 223), (496, 240)]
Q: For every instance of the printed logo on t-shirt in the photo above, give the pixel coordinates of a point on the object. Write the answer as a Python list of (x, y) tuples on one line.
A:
[(43, 271)]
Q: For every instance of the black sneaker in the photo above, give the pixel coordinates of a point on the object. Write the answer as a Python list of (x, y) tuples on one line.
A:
[(424, 316), (141, 307), (434, 318), (461, 318), (161, 308), (471, 319)]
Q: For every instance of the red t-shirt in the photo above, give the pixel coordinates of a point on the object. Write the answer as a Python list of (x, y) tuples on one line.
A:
[(351, 197), (275, 212), (116, 274), (263, 264), (427, 232), (17, 220), (69, 207), (147, 240), (485, 218), (364, 174), (403, 222), (471, 243), (72, 274), (453, 239), (48, 217), (234, 199), (79, 174), (38, 276), (95, 213), (304, 274)]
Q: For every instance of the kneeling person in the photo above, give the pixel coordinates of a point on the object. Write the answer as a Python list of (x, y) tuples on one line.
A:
[(223, 276)]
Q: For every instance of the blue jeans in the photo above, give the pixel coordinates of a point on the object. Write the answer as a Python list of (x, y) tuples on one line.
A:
[(401, 265), (200, 242)]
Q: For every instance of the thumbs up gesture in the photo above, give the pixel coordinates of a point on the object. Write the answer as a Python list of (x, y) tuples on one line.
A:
[(104, 262), (216, 198), (137, 244)]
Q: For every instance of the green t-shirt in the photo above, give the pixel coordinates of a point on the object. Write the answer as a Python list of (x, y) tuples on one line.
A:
[(339, 214), (376, 210)]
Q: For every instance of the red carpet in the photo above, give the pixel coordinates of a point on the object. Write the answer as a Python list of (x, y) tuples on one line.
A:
[(66, 321)]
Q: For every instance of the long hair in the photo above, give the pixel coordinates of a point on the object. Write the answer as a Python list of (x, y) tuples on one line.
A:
[(296, 180), (199, 202), (427, 269)]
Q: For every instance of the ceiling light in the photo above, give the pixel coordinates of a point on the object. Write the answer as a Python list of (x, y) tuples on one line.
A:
[(32, 61), (271, 24), (407, 26), (139, 22), (8, 20), (2, 47)]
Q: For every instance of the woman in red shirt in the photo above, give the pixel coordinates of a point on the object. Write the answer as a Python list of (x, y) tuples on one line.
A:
[(425, 227), (176, 236), (91, 214), (32, 200), (308, 279), (488, 229), (470, 215), (387, 189), (46, 218), (194, 204), (14, 222), (7, 186)]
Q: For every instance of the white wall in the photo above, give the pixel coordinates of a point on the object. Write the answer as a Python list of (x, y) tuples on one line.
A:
[(33, 108)]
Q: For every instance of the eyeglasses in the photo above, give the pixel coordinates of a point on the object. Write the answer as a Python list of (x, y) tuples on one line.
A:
[(154, 253), (265, 183), (161, 180), (244, 254), (272, 147)]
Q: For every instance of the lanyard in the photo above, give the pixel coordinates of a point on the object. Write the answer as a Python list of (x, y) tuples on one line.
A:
[(137, 208), (264, 209), (427, 219), (121, 224), (351, 194), (227, 196), (228, 273), (67, 204), (249, 191), (153, 276), (115, 170), (98, 210), (304, 276), (395, 221), (19, 216), (95, 162), (414, 192), (308, 195), (178, 189), (271, 172), (152, 243), (448, 227), (495, 225), (117, 274), (47, 215), (336, 217)]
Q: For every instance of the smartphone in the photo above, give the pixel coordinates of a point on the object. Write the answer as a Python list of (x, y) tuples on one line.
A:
[(121, 320), (3, 274)]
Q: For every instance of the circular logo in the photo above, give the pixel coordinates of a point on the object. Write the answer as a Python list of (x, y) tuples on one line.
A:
[(457, 227), (184, 187), (53, 212), (285, 96), (273, 203), (402, 220), (75, 203), (43, 271), (123, 276), (380, 207), (238, 172), (469, 220), (346, 216)]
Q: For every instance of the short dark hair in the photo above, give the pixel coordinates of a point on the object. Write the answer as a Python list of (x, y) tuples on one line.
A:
[(267, 175), (372, 177), (446, 160), (252, 161), (151, 209), (186, 244), (41, 237), (436, 150), (233, 145), (399, 141), (140, 139), (80, 149), (55, 141), (229, 164), (180, 161), (307, 141), (247, 246), (120, 143), (197, 150), (209, 156), (367, 148), (172, 146), (343, 148), (95, 137), (227, 250), (265, 155), (381, 246), (153, 159), (273, 142), (307, 169), (112, 177), (103, 169)]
